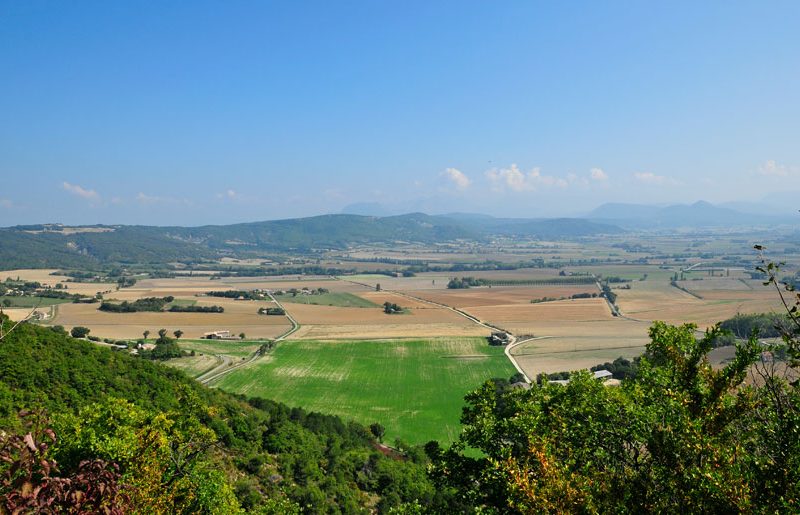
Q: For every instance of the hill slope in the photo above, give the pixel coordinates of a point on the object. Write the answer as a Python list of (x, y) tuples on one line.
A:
[(86, 247), (697, 215), (265, 450)]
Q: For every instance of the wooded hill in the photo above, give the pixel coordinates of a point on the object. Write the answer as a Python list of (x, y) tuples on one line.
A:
[(679, 436), (178, 444), (51, 246)]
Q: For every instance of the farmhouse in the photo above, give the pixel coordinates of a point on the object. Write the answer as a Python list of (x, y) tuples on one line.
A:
[(499, 338), (219, 335)]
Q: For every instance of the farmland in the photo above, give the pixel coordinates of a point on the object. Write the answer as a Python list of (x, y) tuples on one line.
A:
[(238, 317), (341, 299), (410, 371), (414, 387)]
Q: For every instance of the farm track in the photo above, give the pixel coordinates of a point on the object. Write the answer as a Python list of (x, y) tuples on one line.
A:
[(227, 365), (511, 358), (513, 343)]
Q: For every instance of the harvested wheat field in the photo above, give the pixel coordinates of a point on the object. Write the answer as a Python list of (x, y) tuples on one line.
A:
[(238, 317), (721, 283), (500, 295), (660, 301), (580, 344), (528, 318), (343, 322), (17, 314), (250, 283), (419, 282), (379, 297), (43, 276)]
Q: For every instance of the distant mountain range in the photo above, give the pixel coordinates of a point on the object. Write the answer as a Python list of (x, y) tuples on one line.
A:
[(698, 215), (53, 245)]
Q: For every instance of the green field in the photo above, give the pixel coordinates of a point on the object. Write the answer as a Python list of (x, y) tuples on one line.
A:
[(345, 300), (194, 366), (237, 348), (29, 302), (181, 302), (415, 388)]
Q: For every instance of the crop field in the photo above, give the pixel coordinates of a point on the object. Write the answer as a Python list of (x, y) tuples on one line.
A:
[(236, 348), (29, 302), (239, 316), (723, 298), (194, 366), (439, 280), (494, 296), (379, 297), (526, 318), (419, 282), (329, 322), (415, 388), (341, 299), (43, 276), (580, 344)]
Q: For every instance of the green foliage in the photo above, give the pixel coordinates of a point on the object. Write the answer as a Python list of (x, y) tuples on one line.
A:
[(196, 309), (679, 437), (377, 431), (51, 247), (390, 308), (271, 311), (80, 332), (464, 282), (765, 325), (189, 449), (343, 299), (609, 294), (237, 294), (147, 304)]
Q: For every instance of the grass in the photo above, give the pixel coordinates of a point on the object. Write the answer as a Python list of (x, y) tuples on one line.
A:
[(345, 300), (194, 366), (236, 348), (181, 302), (414, 387), (31, 302)]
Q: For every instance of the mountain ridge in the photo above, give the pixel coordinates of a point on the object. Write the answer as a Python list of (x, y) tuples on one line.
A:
[(55, 245)]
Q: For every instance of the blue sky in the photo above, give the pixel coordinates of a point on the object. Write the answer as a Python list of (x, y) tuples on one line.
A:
[(216, 112)]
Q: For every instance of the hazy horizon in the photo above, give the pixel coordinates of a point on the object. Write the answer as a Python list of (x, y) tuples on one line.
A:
[(221, 113)]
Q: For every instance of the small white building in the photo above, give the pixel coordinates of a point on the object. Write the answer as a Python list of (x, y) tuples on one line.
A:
[(602, 374), (219, 335)]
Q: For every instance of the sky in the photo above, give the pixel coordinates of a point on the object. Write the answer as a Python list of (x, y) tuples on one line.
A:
[(207, 112)]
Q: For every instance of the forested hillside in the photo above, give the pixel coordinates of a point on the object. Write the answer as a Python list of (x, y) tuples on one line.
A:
[(44, 246), (168, 442)]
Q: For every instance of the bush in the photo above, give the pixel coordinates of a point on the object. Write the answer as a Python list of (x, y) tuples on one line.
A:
[(80, 332)]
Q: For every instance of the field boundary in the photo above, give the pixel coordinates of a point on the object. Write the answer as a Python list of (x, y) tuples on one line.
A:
[(472, 318), (227, 367)]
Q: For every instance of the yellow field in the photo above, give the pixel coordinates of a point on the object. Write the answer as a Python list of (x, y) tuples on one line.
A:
[(500, 295), (421, 320), (580, 344), (43, 276), (239, 316), (650, 301), (528, 318), (574, 333)]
